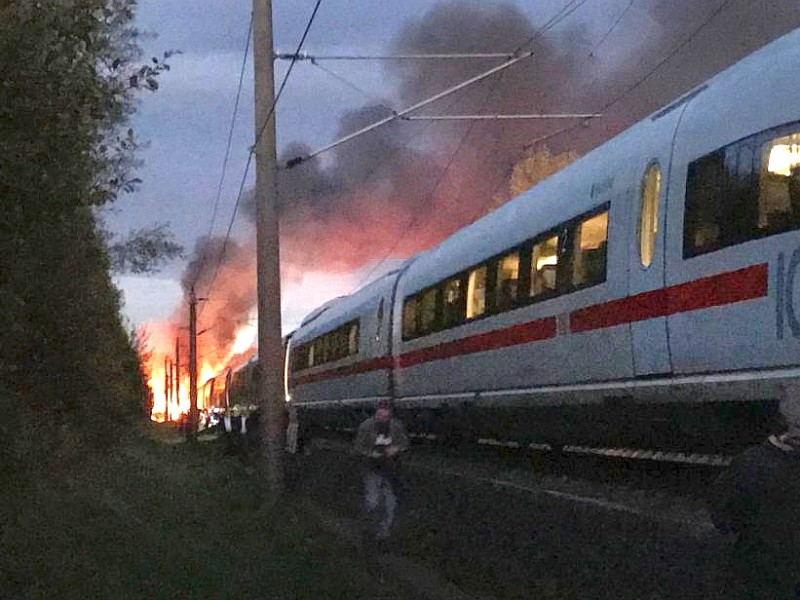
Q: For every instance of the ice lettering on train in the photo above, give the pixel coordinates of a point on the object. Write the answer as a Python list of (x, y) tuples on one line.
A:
[(784, 301)]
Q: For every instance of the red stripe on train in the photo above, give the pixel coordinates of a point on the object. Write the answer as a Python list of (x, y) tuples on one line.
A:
[(524, 333), (727, 288), (717, 290), (375, 364)]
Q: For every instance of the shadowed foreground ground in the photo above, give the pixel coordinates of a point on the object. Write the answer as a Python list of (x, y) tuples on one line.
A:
[(500, 543), (160, 520)]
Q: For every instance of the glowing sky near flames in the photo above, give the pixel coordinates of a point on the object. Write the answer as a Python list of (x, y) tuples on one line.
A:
[(301, 295)]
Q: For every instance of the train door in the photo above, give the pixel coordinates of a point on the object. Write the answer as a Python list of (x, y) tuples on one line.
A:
[(651, 350), (646, 268)]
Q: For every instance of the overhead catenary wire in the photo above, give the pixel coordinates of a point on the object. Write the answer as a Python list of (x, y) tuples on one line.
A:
[(399, 114), (491, 117), (572, 127), (516, 57), (286, 77), (454, 56), (252, 150), (416, 214), (612, 28), (667, 58), (562, 14), (616, 100), (565, 11), (499, 117), (230, 133), (349, 84)]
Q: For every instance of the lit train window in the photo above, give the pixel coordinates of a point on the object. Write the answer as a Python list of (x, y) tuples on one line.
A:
[(648, 217), (507, 282), (543, 267), (476, 292), (334, 345), (453, 302), (744, 191), (779, 190), (588, 256)]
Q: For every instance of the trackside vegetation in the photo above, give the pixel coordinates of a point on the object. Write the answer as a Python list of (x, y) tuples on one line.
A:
[(159, 518), (70, 75)]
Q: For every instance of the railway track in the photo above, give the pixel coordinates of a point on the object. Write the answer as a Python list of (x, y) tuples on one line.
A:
[(667, 488), (666, 456)]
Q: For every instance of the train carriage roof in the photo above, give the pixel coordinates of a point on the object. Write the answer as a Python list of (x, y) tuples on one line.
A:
[(340, 310)]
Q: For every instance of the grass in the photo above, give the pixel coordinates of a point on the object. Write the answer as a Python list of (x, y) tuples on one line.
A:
[(166, 520)]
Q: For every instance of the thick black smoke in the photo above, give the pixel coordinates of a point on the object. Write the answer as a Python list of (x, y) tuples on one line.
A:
[(231, 268), (682, 44), (407, 185)]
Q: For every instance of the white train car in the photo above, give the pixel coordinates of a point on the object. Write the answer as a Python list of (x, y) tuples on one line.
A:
[(340, 356), (644, 295)]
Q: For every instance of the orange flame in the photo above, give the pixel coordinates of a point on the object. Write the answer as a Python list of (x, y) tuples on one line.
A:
[(210, 367)]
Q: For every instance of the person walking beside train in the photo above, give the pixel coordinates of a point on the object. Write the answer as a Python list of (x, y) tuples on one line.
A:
[(380, 440), (758, 499)]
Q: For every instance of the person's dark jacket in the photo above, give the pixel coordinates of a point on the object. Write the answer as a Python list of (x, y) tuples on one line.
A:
[(365, 443), (758, 499)]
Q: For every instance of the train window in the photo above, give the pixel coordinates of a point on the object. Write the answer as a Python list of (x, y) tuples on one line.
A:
[(339, 346), (379, 321), (321, 346), (300, 358), (426, 311), (334, 345), (648, 217), (476, 292), (453, 302), (544, 261), (352, 339), (588, 253), (507, 282), (311, 355), (703, 204), (410, 318), (744, 191), (779, 193)]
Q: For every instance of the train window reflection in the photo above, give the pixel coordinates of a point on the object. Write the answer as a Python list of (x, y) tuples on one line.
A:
[(543, 267), (744, 191), (507, 282), (453, 303), (476, 293), (589, 252)]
